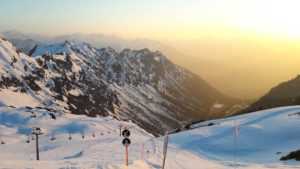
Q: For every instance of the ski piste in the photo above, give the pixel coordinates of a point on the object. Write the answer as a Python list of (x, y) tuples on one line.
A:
[(260, 138)]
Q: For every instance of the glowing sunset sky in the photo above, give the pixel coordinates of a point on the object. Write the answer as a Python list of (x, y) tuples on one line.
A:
[(255, 43), (155, 19)]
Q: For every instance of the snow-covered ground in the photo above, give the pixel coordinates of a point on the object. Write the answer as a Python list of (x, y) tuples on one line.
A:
[(261, 136)]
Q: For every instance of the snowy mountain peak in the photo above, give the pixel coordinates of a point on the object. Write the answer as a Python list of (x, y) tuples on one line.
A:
[(6, 43), (10, 54), (54, 49)]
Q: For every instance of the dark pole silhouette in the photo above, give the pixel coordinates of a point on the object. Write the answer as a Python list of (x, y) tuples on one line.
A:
[(37, 147), (37, 131)]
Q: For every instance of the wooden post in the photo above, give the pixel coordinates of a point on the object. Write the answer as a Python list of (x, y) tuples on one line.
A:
[(142, 152), (165, 150), (164, 163), (127, 155)]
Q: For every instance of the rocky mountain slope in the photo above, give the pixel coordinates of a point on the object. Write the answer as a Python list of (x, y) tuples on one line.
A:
[(137, 85), (285, 94)]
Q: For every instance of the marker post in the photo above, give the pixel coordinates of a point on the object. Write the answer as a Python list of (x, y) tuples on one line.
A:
[(126, 142), (142, 152), (165, 150), (127, 155)]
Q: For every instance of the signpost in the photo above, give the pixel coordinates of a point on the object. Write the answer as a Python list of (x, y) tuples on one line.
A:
[(126, 133), (126, 142)]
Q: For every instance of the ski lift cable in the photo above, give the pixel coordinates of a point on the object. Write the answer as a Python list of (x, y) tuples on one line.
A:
[(47, 133), (93, 132)]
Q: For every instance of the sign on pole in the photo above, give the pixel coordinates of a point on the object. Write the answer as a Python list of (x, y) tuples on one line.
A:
[(126, 142), (126, 133)]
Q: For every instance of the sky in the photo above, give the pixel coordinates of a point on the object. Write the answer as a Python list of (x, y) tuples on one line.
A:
[(254, 44), (155, 19)]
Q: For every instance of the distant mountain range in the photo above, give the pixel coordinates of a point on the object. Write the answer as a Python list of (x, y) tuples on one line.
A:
[(97, 40), (138, 85), (226, 64), (213, 71)]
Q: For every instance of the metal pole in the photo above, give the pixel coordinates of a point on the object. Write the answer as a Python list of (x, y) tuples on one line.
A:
[(235, 144), (235, 153), (37, 147)]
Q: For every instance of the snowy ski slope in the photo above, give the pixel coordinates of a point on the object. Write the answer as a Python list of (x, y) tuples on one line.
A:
[(261, 136)]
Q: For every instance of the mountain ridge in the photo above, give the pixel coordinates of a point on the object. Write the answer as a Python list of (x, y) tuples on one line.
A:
[(284, 94), (137, 85)]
